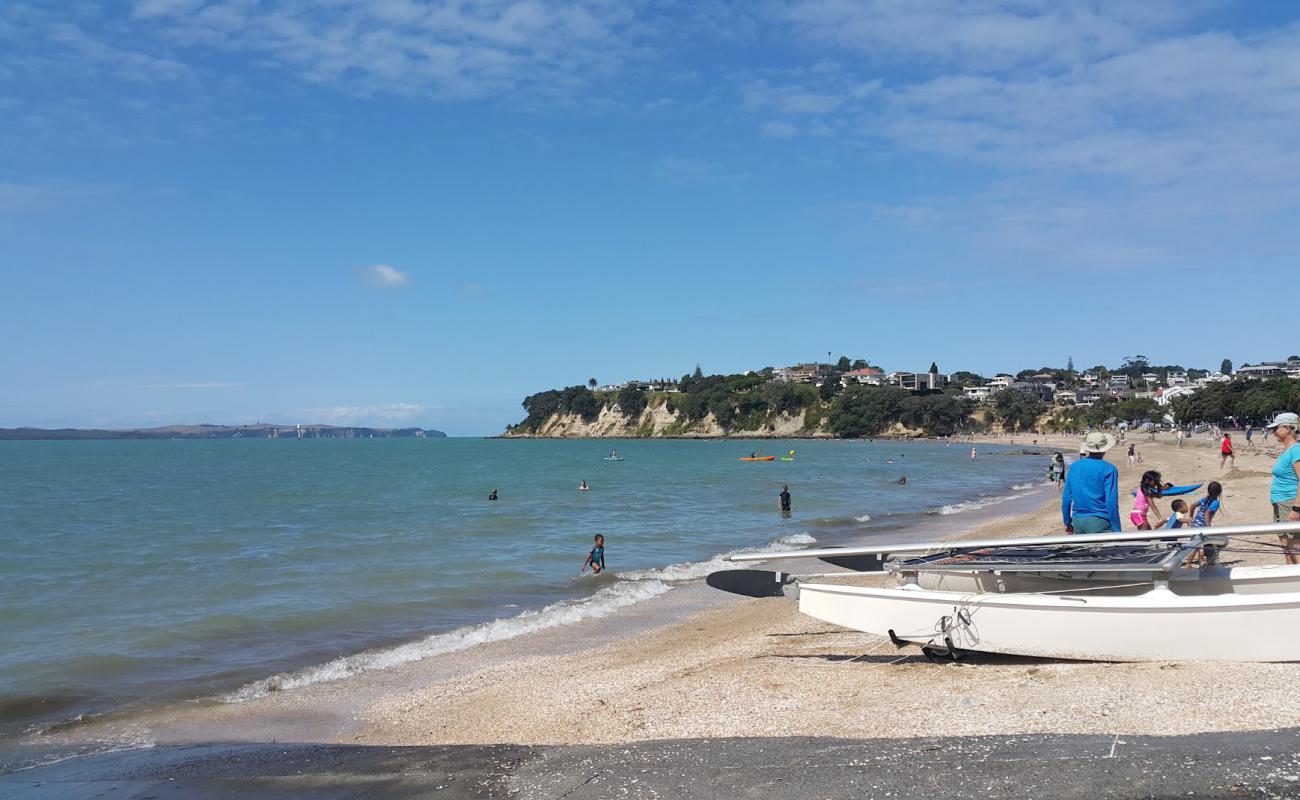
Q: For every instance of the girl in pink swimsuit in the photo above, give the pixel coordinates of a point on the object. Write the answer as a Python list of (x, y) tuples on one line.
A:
[(1143, 504)]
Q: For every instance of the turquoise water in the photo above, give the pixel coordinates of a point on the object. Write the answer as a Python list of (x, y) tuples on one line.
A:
[(139, 572)]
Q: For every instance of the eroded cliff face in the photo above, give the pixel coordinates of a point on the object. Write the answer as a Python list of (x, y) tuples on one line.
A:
[(658, 421)]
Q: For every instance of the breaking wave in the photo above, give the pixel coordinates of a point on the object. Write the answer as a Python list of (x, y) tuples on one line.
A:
[(632, 586)]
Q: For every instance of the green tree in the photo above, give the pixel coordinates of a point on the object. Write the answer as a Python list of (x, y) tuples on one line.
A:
[(936, 414), (782, 397), (591, 382), (859, 363), (631, 401), (540, 407), (866, 410), (1225, 366), (830, 387), (1017, 410), (579, 400), (844, 365), (699, 373)]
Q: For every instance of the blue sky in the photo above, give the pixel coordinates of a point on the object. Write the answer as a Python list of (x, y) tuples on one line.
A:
[(399, 212)]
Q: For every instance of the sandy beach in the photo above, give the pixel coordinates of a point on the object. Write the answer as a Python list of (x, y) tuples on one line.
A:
[(710, 665)]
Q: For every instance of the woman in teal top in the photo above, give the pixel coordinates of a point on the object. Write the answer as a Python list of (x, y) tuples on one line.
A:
[(1284, 493)]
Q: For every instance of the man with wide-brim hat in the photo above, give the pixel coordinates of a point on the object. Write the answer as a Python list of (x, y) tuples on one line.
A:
[(1090, 500)]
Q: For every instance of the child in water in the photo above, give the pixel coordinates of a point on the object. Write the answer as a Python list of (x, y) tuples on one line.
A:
[(596, 558)]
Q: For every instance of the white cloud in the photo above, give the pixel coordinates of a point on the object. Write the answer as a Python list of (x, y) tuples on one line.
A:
[(384, 276), (463, 49), (1106, 135), (386, 414)]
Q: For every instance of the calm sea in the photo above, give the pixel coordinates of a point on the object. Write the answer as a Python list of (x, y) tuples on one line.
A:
[(139, 572)]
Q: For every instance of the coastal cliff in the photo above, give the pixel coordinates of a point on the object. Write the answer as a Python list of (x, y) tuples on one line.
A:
[(657, 420)]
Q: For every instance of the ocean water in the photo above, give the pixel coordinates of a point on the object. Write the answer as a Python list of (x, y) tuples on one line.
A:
[(142, 572)]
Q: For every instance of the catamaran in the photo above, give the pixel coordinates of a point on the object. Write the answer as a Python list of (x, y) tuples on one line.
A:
[(1128, 596)]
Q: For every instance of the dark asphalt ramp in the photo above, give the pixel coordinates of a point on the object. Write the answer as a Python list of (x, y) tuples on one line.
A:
[(1237, 765)]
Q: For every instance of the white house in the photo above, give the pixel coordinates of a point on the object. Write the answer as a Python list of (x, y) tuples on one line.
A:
[(1173, 393), (1001, 381), (868, 375), (979, 393), (1067, 397)]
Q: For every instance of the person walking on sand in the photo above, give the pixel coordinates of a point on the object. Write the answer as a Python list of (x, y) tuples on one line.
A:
[(596, 558), (1178, 435), (1132, 453), (1225, 451), (1284, 492), (1090, 499), (785, 499), (1057, 471)]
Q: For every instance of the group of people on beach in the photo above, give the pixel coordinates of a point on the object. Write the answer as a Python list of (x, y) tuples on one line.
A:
[(1090, 489)]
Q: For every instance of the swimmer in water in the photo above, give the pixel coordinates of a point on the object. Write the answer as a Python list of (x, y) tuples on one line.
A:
[(582, 487), (492, 495), (902, 481)]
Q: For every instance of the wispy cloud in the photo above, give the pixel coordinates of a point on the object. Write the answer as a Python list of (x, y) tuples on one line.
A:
[(384, 276), (42, 195), (193, 385), (464, 49), (385, 414), (1107, 135)]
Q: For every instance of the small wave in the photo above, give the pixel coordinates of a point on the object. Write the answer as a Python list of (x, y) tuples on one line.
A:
[(700, 569), (1023, 487), (633, 586), (863, 518), (565, 612), (970, 505)]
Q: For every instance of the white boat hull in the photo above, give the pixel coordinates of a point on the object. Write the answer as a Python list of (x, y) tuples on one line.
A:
[(1157, 626)]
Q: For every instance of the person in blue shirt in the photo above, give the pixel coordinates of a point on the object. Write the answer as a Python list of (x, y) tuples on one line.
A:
[(1090, 500), (596, 558), (1284, 492)]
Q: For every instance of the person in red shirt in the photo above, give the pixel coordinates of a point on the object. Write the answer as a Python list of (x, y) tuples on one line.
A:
[(1225, 451)]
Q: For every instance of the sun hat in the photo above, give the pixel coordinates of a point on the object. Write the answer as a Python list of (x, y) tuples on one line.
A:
[(1098, 442), (1285, 418)]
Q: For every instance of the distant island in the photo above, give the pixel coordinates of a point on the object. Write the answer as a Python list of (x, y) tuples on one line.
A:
[(257, 431)]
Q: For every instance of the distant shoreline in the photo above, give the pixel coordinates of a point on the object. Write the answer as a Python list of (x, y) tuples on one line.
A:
[(257, 431)]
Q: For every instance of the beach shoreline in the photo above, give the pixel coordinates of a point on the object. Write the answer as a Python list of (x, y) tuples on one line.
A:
[(700, 664)]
